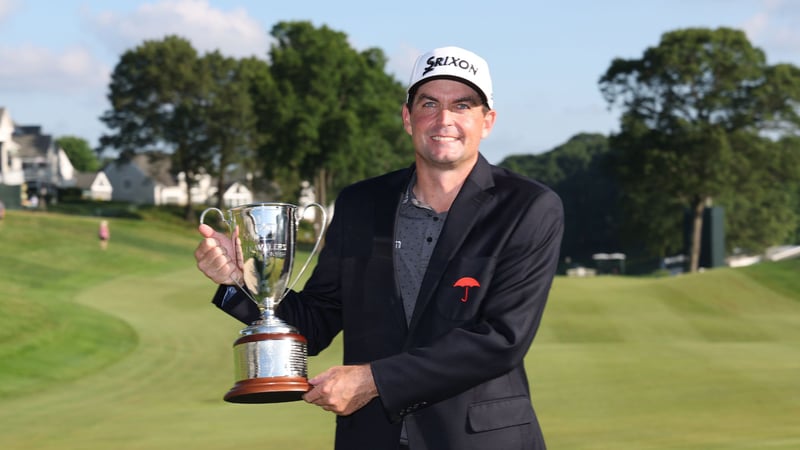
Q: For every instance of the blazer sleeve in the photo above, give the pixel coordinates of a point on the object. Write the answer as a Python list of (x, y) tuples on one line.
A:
[(500, 336), (236, 303)]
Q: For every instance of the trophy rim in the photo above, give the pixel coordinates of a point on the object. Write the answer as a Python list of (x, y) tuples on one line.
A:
[(263, 204)]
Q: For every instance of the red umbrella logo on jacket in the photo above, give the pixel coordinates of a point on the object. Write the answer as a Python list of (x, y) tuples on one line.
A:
[(466, 283)]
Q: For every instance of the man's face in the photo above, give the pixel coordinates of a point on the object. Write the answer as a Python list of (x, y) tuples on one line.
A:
[(446, 122)]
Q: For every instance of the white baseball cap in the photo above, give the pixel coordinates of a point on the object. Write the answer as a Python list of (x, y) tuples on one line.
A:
[(453, 63)]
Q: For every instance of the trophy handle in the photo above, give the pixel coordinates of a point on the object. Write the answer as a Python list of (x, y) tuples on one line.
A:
[(218, 211), (228, 223), (316, 244)]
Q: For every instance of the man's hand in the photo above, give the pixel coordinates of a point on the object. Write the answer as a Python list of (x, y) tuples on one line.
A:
[(342, 390), (214, 257)]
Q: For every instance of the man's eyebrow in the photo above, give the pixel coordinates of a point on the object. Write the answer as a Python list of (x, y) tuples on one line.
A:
[(471, 99), (468, 99), (428, 97)]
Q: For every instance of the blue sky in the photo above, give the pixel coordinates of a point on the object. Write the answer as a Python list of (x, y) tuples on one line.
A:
[(545, 56)]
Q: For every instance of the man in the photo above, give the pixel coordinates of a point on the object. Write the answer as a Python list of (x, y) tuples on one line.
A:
[(437, 275)]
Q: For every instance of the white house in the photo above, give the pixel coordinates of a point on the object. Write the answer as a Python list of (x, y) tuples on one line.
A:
[(45, 164), (94, 185), (237, 194), (146, 179), (11, 173), (31, 163)]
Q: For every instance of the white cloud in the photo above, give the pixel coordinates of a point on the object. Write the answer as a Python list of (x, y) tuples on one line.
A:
[(774, 29), (755, 26), (34, 69), (233, 32), (6, 8)]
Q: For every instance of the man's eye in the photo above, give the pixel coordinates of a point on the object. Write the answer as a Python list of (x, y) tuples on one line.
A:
[(429, 105), (463, 106)]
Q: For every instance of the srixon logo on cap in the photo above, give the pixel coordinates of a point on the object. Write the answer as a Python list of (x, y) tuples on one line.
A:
[(438, 61)]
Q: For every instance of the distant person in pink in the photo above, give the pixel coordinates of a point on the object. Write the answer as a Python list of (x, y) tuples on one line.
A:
[(104, 234)]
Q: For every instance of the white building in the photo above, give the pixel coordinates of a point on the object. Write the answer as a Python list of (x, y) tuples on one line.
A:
[(32, 166), (94, 185), (45, 164), (11, 173), (147, 179)]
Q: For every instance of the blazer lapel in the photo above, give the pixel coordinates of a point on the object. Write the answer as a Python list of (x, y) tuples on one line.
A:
[(461, 218)]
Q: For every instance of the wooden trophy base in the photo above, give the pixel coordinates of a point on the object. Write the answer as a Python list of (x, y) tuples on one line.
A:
[(268, 390)]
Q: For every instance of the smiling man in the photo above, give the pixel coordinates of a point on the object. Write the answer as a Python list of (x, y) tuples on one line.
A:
[(437, 274)]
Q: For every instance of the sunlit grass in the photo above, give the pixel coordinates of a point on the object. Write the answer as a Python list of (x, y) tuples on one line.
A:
[(122, 349)]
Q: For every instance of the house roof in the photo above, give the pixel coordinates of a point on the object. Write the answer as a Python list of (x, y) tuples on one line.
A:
[(157, 166), (84, 180), (31, 142)]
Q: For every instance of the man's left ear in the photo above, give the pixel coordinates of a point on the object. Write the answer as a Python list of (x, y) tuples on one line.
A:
[(488, 123)]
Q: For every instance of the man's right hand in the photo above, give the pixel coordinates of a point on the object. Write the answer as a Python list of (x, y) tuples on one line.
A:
[(215, 258)]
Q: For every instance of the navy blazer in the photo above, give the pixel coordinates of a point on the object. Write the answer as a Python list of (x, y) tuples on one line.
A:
[(456, 373)]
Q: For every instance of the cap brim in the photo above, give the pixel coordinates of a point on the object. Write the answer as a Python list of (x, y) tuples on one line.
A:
[(413, 89)]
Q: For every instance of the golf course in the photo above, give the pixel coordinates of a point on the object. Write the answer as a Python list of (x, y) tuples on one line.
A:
[(121, 349)]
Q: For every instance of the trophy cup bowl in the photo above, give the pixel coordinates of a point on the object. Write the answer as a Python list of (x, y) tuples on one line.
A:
[(270, 356)]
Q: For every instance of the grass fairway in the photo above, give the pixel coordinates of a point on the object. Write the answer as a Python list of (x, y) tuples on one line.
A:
[(709, 361), (121, 349)]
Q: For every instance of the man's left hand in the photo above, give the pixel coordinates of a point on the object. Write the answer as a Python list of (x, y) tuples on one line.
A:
[(342, 390)]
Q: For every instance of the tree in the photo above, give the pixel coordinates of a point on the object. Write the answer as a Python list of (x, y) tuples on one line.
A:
[(158, 96), (691, 107), (336, 117), (770, 200), (578, 172), (264, 99), (231, 134), (80, 153)]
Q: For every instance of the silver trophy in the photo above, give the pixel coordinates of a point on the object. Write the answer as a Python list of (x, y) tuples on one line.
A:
[(270, 356)]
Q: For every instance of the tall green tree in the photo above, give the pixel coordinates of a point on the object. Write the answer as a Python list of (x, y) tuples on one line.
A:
[(80, 153), (337, 117), (158, 95), (265, 103), (690, 107), (230, 121)]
